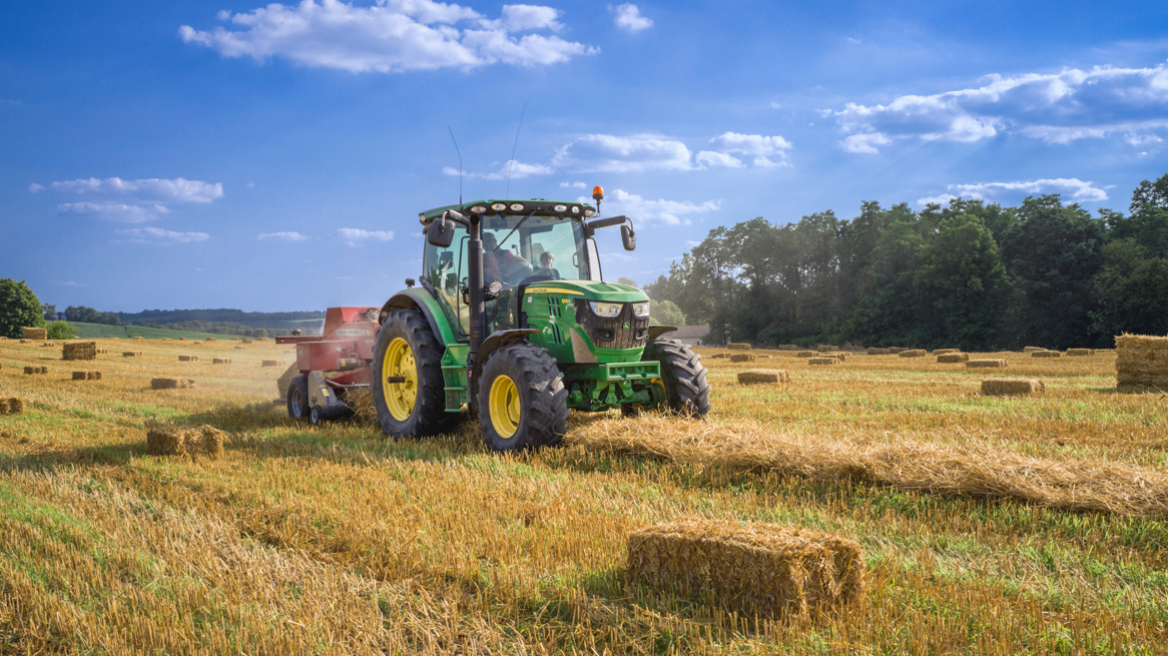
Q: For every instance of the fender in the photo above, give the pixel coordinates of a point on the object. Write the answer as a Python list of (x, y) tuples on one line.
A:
[(657, 331), (493, 343), (413, 298)]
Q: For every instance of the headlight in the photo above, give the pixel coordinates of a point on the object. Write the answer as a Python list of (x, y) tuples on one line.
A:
[(499, 207), (479, 209), (641, 309), (495, 287), (560, 208), (517, 207), (589, 212), (607, 310)]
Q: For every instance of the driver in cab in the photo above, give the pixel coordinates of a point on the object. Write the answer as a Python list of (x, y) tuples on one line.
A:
[(501, 264)]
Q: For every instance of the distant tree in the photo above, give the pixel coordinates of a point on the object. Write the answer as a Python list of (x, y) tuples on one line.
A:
[(665, 313), (19, 308), (962, 279), (61, 330), (890, 312), (626, 281), (50, 312)]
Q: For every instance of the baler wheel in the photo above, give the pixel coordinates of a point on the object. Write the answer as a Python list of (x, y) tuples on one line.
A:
[(316, 416), (409, 393), (522, 402), (298, 398)]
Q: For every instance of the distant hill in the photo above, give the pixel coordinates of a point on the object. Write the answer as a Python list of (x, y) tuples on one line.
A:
[(308, 321), (103, 331)]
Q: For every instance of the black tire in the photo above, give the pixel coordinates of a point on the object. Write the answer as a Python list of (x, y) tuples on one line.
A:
[(298, 398), (539, 386), (687, 392), (428, 416), (316, 415)]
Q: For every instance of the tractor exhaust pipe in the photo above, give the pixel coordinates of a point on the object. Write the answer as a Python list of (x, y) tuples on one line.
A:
[(475, 280)]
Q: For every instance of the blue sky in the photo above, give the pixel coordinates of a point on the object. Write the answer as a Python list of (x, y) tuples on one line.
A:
[(275, 157)]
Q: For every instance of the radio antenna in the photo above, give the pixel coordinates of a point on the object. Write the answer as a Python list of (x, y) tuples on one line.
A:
[(513, 148), (459, 166)]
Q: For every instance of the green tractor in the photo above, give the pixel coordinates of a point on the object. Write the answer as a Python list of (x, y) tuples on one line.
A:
[(513, 322)]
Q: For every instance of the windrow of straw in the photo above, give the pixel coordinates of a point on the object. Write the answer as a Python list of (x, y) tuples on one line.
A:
[(180, 441), (12, 406), (1141, 362), (878, 351), (986, 364), (39, 369), (1011, 386), (1080, 352), (35, 333), (79, 351), (171, 383), (763, 376), (86, 375), (969, 471), (738, 346), (1046, 354), (743, 357), (822, 361), (913, 353), (753, 568)]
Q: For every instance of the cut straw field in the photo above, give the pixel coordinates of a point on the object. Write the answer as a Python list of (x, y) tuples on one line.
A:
[(988, 524)]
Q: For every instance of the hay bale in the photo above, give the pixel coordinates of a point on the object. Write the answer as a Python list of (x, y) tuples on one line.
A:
[(246, 341), (28, 371), (270, 363), (171, 383), (1080, 352), (1045, 354), (1032, 349), (1011, 386), (80, 375), (743, 357), (221, 361), (35, 333), (79, 351), (25, 341), (878, 351), (949, 358), (188, 358), (211, 339), (285, 380), (913, 353), (762, 376), (93, 375), (823, 361), (211, 441), (101, 351), (806, 354), (986, 364), (1141, 362), (238, 348), (12, 406), (753, 568), (130, 354), (827, 348), (738, 346), (842, 356), (719, 356)]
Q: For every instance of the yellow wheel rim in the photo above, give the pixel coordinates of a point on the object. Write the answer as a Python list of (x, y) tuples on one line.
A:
[(399, 363), (505, 409)]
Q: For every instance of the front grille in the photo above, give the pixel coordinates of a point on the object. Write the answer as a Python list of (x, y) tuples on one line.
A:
[(611, 333)]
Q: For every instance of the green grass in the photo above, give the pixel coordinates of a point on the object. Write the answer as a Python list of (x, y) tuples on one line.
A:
[(102, 331)]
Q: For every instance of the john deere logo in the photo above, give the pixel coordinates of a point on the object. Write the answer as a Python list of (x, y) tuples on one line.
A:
[(626, 326)]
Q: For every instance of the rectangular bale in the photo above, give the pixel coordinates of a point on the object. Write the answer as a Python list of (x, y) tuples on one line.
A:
[(842, 356), (763, 376), (719, 356), (28, 371), (14, 406), (35, 333), (948, 358), (1078, 352), (221, 361), (752, 568), (1011, 386), (271, 363), (986, 364), (878, 351), (180, 441), (79, 351), (1046, 354), (238, 348), (188, 358), (93, 375), (823, 361), (740, 357), (913, 353), (738, 346), (80, 375), (171, 383), (806, 354)]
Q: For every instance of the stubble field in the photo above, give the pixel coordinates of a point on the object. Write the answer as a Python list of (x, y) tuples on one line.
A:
[(989, 524)]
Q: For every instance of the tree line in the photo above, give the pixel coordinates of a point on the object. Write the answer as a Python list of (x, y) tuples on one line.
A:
[(972, 275)]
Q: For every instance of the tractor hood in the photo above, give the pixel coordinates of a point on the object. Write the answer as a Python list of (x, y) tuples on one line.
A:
[(589, 290)]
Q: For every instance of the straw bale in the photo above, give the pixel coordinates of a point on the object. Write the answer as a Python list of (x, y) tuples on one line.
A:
[(130, 354), (101, 351), (35, 333), (743, 357), (188, 358), (755, 376), (823, 361), (211, 441), (986, 364), (270, 363), (1046, 354), (913, 353), (93, 375), (1011, 386), (79, 351), (12, 406), (35, 370), (842, 356), (182, 339), (1080, 352), (246, 341), (878, 351), (80, 375), (1033, 349), (25, 341), (946, 358), (28, 371), (211, 339), (753, 568), (806, 354), (171, 383), (221, 361), (718, 356), (738, 346)]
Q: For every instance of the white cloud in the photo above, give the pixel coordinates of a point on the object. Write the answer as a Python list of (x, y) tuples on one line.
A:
[(153, 190), (120, 212), (611, 154), (391, 36), (1142, 139), (853, 41), (282, 236), (1074, 188), (518, 171), (708, 159), (628, 18), (574, 185), (1057, 108), (643, 211), (775, 105), (762, 147), (354, 236), (158, 236)]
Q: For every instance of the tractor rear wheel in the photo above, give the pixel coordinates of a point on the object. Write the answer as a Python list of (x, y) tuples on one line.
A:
[(682, 375), (522, 402), (298, 398), (409, 394)]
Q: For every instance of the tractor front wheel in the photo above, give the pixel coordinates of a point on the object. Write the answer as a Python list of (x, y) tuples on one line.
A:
[(408, 391), (522, 402), (687, 392)]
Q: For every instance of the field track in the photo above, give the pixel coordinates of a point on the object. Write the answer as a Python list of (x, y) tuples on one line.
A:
[(337, 541)]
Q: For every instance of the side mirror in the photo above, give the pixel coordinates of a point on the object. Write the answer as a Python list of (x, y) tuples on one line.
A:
[(628, 237), (440, 234)]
